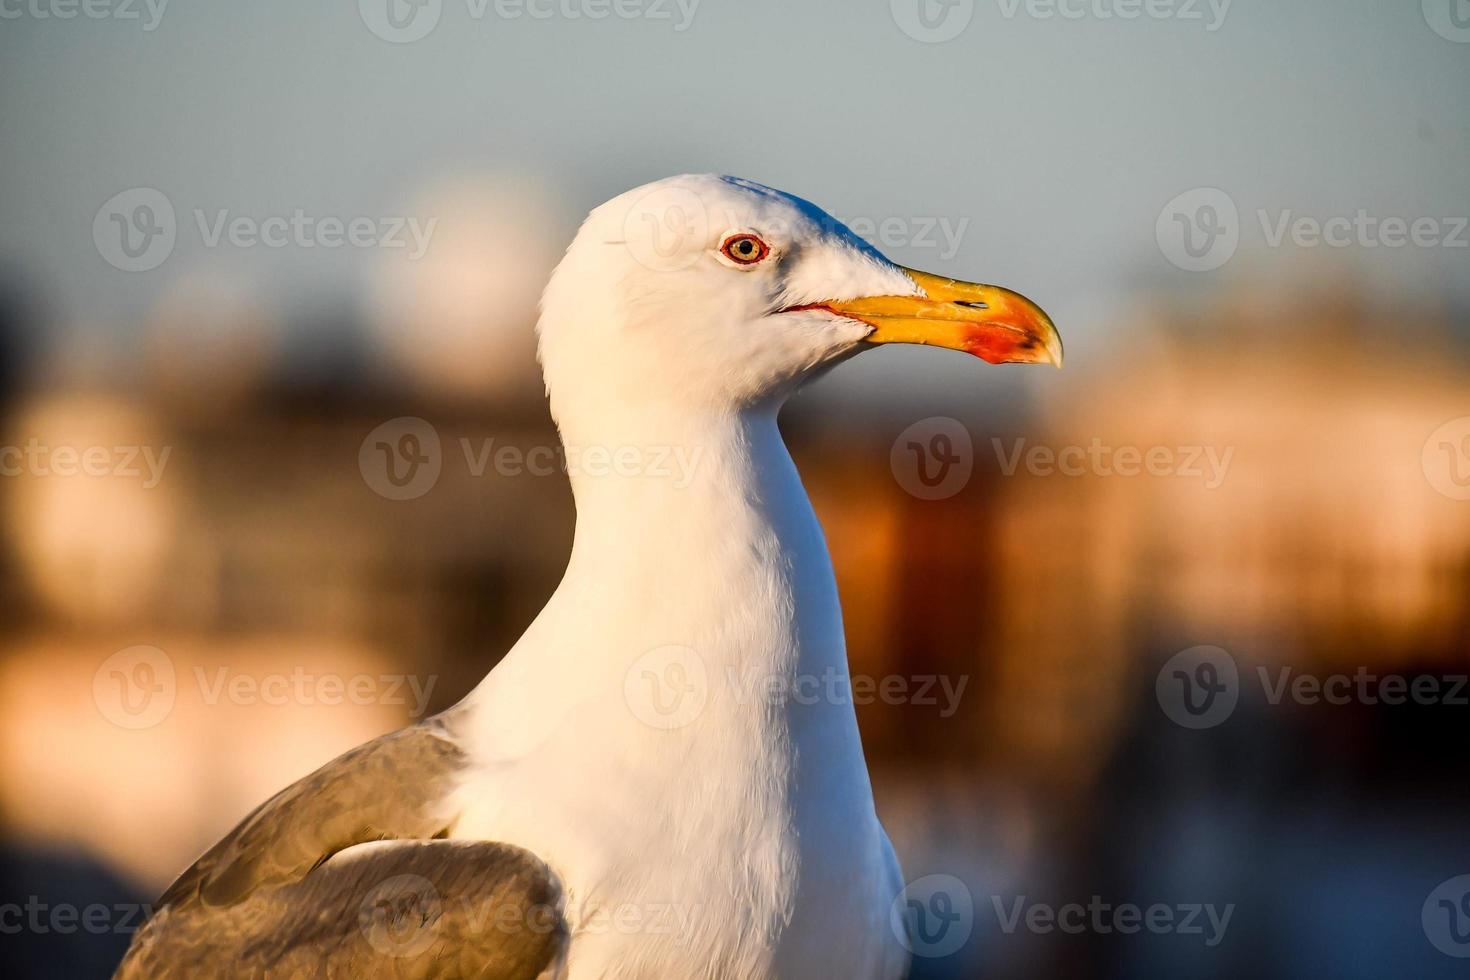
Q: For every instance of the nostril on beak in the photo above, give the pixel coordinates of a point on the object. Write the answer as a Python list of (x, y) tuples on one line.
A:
[(972, 304)]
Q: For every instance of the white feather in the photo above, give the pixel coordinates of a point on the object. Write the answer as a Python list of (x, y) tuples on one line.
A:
[(752, 824)]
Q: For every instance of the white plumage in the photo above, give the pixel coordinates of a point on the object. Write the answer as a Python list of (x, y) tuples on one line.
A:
[(636, 775), (754, 819)]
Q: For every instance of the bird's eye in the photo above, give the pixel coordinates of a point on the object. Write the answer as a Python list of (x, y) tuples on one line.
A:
[(744, 249)]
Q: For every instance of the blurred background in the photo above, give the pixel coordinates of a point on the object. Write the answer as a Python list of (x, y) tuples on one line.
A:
[(236, 241)]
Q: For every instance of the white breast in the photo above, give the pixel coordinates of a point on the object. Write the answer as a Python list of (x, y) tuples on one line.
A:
[(635, 737)]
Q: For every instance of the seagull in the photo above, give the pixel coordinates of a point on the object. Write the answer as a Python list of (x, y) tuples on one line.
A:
[(634, 790)]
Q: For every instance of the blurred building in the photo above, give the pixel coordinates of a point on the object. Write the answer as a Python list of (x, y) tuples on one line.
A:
[(1313, 540)]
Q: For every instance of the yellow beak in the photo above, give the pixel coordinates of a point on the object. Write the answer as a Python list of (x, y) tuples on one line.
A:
[(990, 322)]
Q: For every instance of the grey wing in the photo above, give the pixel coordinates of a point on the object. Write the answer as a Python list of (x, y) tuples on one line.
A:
[(270, 900)]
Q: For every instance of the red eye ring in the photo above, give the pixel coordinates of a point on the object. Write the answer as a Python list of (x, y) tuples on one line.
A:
[(744, 249)]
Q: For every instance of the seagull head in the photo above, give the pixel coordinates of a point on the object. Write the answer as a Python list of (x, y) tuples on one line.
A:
[(705, 291)]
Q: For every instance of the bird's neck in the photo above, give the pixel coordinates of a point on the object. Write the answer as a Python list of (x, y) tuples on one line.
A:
[(696, 547), (677, 724), (699, 523)]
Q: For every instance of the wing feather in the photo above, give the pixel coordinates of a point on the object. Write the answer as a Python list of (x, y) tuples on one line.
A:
[(346, 874)]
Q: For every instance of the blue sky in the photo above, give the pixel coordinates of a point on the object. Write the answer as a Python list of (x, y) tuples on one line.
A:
[(1048, 144)]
